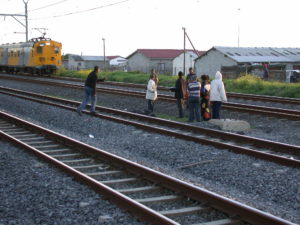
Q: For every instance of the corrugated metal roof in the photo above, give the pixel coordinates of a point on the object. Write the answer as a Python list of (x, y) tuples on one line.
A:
[(252, 55), (94, 58), (77, 57)]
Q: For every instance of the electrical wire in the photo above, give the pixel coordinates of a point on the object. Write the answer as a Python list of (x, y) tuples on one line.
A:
[(82, 11), (46, 6)]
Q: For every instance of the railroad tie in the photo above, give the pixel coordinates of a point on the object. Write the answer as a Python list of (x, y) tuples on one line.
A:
[(221, 222), (159, 199), (182, 211)]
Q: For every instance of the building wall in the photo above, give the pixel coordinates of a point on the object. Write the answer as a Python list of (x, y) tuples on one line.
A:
[(118, 61), (74, 65), (212, 62), (189, 62), (161, 66), (91, 64), (138, 62)]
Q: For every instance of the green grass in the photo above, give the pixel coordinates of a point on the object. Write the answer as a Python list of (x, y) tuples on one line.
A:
[(248, 84), (253, 85)]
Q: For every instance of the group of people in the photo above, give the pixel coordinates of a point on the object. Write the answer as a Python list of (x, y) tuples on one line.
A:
[(199, 97), (190, 92)]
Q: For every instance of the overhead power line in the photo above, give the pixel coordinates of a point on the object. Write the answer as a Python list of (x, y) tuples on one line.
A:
[(82, 11), (46, 6)]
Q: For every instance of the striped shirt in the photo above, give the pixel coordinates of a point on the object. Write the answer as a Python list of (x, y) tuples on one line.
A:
[(194, 89)]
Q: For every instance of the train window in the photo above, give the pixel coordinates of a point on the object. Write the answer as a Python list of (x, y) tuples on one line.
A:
[(56, 50), (11, 53), (39, 49), (18, 53)]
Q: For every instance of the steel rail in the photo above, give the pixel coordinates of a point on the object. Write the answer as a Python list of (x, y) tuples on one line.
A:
[(279, 147), (266, 111), (162, 88), (231, 207)]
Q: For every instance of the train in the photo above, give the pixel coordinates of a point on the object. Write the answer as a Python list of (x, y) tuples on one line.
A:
[(40, 56)]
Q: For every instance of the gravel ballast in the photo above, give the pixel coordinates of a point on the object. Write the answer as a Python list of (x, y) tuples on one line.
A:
[(264, 185), (33, 192), (270, 128)]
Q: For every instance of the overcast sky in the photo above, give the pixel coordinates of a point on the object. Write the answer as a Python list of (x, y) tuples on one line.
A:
[(128, 25)]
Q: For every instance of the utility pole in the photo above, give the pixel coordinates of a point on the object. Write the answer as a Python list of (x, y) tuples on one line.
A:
[(184, 40), (26, 18), (239, 10), (183, 50), (103, 39)]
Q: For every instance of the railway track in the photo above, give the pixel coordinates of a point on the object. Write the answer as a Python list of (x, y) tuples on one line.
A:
[(282, 100), (153, 196), (284, 154), (237, 107)]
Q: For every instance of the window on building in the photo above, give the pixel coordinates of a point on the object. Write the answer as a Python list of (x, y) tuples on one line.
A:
[(161, 67)]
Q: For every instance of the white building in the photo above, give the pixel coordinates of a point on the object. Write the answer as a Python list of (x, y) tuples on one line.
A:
[(164, 61), (233, 60)]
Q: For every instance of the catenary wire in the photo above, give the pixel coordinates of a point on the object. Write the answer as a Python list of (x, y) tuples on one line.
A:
[(82, 11)]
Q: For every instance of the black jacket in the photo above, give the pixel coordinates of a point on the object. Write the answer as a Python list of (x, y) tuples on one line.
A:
[(91, 80), (178, 88)]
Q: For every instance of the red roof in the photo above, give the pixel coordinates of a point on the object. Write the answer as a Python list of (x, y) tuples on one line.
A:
[(163, 53), (112, 57)]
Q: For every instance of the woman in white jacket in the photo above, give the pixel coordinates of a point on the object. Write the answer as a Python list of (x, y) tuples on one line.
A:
[(217, 95), (151, 94)]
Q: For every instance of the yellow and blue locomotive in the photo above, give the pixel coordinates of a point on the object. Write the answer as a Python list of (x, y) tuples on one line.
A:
[(37, 56)]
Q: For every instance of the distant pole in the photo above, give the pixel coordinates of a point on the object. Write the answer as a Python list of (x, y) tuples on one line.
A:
[(239, 27), (103, 39), (26, 19), (183, 50)]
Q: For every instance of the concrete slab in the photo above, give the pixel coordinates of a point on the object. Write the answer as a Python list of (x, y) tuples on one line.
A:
[(231, 125)]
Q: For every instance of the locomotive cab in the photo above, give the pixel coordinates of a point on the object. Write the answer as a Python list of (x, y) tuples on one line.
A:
[(46, 55), (39, 55)]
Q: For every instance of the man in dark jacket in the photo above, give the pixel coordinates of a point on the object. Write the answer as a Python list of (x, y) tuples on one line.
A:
[(180, 93), (90, 91)]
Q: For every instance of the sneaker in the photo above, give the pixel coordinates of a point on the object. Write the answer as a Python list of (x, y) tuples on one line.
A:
[(79, 112)]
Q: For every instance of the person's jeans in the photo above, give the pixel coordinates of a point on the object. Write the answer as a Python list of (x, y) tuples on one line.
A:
[(194, 108), (216, 106), (88, 93), (150, 105)]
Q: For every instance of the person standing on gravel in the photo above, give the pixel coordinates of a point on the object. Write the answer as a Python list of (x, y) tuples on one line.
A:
[(193, 91), (188, 80), (217, 95), (90, 91), (151, 94), (180, 93), (204, 94)]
